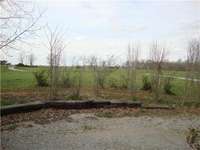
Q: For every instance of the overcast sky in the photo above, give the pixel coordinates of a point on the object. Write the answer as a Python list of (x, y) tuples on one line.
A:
[(105, 27)]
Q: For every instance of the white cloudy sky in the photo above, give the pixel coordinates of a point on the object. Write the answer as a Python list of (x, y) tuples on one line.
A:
[(105, 27)]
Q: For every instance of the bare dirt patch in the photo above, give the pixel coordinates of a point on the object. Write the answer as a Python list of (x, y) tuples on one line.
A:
[(45, 116)]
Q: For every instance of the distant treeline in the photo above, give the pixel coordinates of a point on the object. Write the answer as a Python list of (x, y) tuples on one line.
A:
[(177, 66)]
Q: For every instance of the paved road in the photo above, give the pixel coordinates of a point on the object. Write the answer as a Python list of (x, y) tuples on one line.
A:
[(177, 77), (88, 132), (14, 69)]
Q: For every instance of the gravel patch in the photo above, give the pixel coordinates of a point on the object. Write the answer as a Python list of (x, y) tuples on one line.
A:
[(85, 131)]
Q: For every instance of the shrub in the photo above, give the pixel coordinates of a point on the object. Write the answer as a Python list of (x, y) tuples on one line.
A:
[(41, 78), (74, 96), (146, 83), (66, 80), (123, 81), (113, 83), (75, 82), (134, 98), (124, 86), (101, 76), (101, 80), (168, 86)]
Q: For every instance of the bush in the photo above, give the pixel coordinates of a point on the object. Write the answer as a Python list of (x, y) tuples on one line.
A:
[(113, 83), (66, 80), (123, 81), (75, 82), (123, 86), (41, 78), (134, 98), (74, 96), (168, 86), (101, 80), (146, 83)]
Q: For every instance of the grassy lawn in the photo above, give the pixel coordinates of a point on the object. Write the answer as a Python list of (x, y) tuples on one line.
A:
[(11, 80), (22, 80), (17, 79), (23, 83)]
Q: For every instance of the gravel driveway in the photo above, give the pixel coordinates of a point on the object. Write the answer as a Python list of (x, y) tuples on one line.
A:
[(85, 131)]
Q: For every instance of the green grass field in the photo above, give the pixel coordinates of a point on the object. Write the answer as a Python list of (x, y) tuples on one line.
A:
[(21, 81), (11, 80)]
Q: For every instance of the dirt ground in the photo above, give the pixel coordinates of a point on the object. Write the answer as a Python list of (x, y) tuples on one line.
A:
[(97, 129)]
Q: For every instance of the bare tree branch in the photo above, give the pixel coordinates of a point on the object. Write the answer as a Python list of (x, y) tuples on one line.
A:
[(56, 47), (16, 22), (157, 56)]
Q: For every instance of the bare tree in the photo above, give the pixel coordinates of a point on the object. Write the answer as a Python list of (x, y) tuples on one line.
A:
[(56, 46), (157, 56), (94, 65), (78, 70), (31, 59), (17, 21), (193, 69), (21, 57), (132, 61), (101, 70)]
